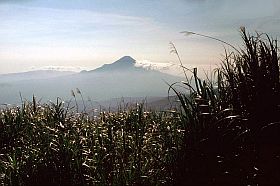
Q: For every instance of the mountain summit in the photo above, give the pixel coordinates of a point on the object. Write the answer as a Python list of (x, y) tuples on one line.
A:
[(123, 63)]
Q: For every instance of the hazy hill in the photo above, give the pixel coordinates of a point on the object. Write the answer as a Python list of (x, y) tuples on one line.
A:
[(118, 79), (35, 74)]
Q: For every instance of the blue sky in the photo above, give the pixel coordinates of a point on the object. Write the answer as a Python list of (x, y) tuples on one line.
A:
[(89, 33)]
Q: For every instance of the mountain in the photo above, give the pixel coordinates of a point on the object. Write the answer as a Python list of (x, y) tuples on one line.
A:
[(121, 78), (35, 74), (123, 64)]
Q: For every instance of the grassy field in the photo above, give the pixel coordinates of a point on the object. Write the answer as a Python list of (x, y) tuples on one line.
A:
[(225, 132)]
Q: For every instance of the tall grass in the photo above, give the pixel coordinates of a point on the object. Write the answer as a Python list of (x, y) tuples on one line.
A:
[(226, 132), (232, 123), (52, 145)]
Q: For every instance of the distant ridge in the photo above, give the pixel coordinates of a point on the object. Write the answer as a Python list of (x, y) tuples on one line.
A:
[(122, 78), (34, 74)]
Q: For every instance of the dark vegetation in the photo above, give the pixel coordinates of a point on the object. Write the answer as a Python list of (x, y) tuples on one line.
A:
[(226, 132)]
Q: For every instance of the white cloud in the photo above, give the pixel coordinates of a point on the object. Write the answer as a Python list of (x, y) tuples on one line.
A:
[(33, 22), (172, 68), (60, 68)]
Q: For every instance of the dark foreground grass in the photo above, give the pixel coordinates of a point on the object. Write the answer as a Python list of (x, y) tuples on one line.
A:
[(227, 132), (49, 145), (233, 120)]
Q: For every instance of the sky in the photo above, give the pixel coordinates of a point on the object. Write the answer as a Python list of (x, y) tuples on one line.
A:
[(84, 34)]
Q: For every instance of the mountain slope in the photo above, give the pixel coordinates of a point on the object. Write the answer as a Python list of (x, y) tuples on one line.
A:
[(119, 79), (35, 74)]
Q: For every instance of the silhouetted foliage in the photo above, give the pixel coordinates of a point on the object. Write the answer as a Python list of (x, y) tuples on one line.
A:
[(232, 124)]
